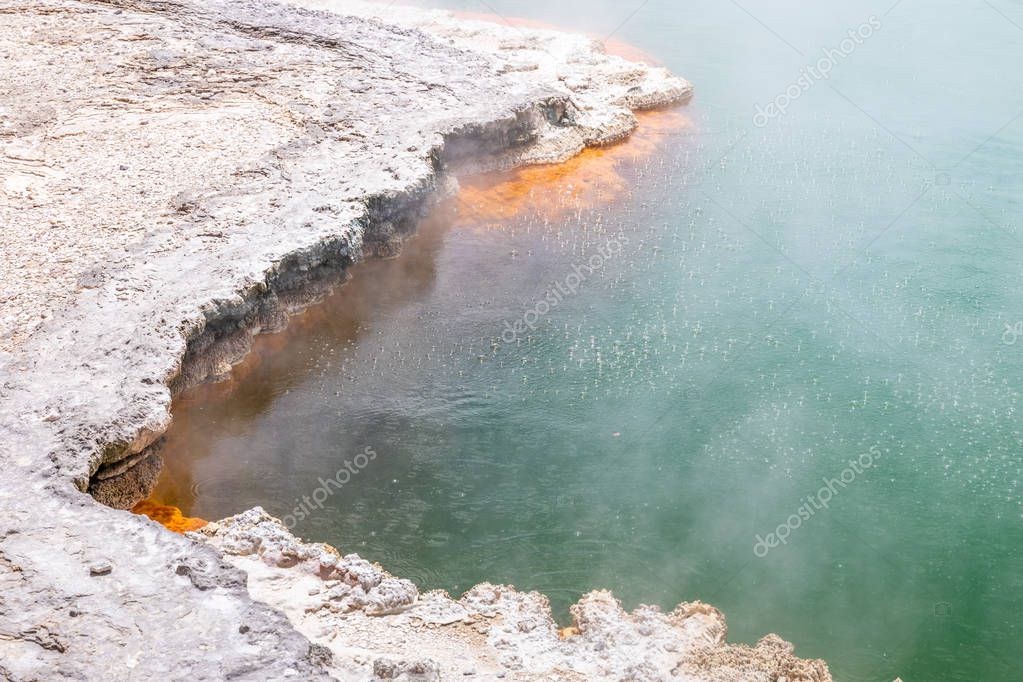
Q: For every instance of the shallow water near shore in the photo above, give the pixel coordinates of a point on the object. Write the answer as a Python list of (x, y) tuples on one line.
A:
[(809, 328)]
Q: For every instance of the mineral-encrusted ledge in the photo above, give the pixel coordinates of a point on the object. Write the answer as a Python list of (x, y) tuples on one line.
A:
[(177, 177), (380, 626)]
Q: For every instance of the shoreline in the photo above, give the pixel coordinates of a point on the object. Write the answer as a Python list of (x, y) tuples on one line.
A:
[(481, 202), (87, 392)]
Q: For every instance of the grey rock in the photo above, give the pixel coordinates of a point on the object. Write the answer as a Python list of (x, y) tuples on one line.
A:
[(103, 568)]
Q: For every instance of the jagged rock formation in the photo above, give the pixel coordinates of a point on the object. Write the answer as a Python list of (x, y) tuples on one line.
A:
[(176, 177), (376, 625)]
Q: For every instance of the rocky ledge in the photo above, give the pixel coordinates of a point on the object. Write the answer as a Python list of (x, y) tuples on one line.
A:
[(377, 626), (176, 177)]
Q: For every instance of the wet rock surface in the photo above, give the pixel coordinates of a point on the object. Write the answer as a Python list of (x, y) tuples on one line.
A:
[(176, 177)]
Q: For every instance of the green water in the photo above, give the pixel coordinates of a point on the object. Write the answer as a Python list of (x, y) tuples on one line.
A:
[(834, 284)]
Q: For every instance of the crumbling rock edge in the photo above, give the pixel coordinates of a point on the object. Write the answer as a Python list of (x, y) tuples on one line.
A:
[(311, 186), (377, 626)]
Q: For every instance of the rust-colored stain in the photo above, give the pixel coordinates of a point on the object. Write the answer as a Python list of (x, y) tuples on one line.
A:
[(590, 179), (167, 516)]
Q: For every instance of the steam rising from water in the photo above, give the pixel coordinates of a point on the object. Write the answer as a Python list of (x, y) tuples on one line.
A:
[(685, 400), (790, 298)]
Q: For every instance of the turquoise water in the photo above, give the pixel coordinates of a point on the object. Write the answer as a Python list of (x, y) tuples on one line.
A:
[(842, 283)]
